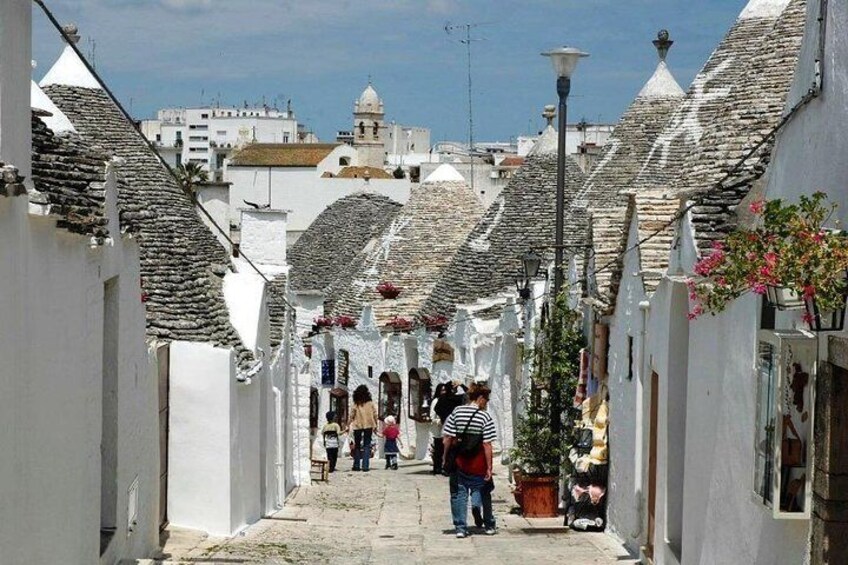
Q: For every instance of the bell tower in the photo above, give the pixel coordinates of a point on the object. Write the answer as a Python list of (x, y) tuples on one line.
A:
[(368, 130)]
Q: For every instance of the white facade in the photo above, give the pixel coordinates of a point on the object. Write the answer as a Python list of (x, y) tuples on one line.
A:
[(706, 508), (302, 190), (208, 136), (483, 351), (73, 342)]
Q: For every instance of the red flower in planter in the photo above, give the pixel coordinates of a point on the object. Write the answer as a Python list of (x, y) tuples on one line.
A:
[(435, 323), (323, 322), (345, 322), (400, 324), (388, 290)]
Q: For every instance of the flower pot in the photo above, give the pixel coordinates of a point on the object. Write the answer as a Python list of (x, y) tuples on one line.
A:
[(539, 496)]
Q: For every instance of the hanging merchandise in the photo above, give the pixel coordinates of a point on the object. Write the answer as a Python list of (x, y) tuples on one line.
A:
[(587, 485), (582, 379)]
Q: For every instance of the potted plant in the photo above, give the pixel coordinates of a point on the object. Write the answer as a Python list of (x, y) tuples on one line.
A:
[(788, 255), (388, 290), (435, 323), (345, 322), (538, 453), (400, 324), (322, 322)]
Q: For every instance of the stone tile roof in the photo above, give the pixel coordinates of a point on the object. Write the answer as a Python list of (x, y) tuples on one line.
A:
[(70, 176), (616, 168), (277, 291), (755, 110), (336, 236), (653, 209), (412, 252), (733, 102), (182, 262), (282, 154), (359, 172), (522, 218)]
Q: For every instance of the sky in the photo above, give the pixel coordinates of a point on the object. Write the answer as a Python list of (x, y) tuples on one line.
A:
[(321, 53)]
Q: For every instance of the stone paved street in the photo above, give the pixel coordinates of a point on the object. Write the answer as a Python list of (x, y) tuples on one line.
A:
[(398, 517)]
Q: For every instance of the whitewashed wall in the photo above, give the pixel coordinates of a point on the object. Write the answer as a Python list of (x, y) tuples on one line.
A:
[(51, 338), (301, 190)]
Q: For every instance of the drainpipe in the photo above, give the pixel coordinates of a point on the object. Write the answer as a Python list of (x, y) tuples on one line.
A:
[(644, 307)]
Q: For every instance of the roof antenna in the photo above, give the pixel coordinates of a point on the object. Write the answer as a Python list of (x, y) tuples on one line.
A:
[(663, 44)]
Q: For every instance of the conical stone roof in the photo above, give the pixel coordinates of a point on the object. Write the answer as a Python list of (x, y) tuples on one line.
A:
[(182, 262), (413, 250), (336, 237), (522, 218)]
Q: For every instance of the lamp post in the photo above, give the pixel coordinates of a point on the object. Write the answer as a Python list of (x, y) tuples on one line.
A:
[(564, 60), (530, 264)]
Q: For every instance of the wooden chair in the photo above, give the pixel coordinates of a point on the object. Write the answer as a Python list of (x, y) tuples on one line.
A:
[(322, 468)]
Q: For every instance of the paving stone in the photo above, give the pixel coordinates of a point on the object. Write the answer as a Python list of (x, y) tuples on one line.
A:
[(397, 517)]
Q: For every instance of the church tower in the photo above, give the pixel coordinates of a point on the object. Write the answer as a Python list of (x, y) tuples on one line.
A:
[(368, 128)]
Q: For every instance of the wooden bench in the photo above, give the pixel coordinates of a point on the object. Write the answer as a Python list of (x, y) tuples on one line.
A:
[(321, 467)]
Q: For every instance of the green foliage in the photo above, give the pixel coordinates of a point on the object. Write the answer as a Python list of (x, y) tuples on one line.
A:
[(788, 248), (537, 450), (191, 174)]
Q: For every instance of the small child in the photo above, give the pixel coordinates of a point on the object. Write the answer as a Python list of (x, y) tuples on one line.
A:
[(390, 448), (331, 432)]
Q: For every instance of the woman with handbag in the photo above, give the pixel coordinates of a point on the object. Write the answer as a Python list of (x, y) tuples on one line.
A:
[(363, 422)]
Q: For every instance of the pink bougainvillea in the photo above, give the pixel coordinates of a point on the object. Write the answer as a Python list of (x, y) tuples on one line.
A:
[(788, 248)]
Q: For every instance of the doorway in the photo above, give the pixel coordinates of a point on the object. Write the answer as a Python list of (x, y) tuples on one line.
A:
[(652, 468), (163, 357)]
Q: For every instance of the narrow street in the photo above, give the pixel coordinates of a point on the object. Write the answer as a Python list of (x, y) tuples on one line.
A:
[(391, 517)]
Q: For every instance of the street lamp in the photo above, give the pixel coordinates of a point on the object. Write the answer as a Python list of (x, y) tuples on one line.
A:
[(564, 60), (530, 263)]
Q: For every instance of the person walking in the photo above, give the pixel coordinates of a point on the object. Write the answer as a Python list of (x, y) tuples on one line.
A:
[(391, 450), (443, 404), (470, 430), (331, 432), (363, 422)]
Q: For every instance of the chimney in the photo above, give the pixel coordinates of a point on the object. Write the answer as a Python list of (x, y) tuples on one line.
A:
[(15, 77), (263, 237)]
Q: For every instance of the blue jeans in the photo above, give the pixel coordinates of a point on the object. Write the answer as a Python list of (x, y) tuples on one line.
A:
[(361, 448), (481, 496)]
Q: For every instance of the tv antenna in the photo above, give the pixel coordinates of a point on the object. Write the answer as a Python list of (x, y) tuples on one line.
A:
[(449, 29)]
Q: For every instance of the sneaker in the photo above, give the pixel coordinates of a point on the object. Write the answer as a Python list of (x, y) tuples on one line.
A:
[(478, 516), (491, 531), (461, 535)]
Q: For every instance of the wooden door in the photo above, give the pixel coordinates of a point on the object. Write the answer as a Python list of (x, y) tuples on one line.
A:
[(652, 467), (163, 355)]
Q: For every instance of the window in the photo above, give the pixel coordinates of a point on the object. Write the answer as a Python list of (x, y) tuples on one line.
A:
[(285, 138), (420, 395), (219, 160), (361, 129), (204, 116), (339, 404), (178, 159), (314, 401), (376, 129), (328, 372), (159, 137), (179, 136), (786, 362), (389, 395), (344, 161)]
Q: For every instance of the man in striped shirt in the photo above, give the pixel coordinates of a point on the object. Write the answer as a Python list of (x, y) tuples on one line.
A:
[(471, 429)]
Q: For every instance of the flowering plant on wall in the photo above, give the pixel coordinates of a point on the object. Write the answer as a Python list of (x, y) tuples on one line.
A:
[(388, 290), (345, 321), (400, 324), (789, 248), (435, 323), (323, 321)]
